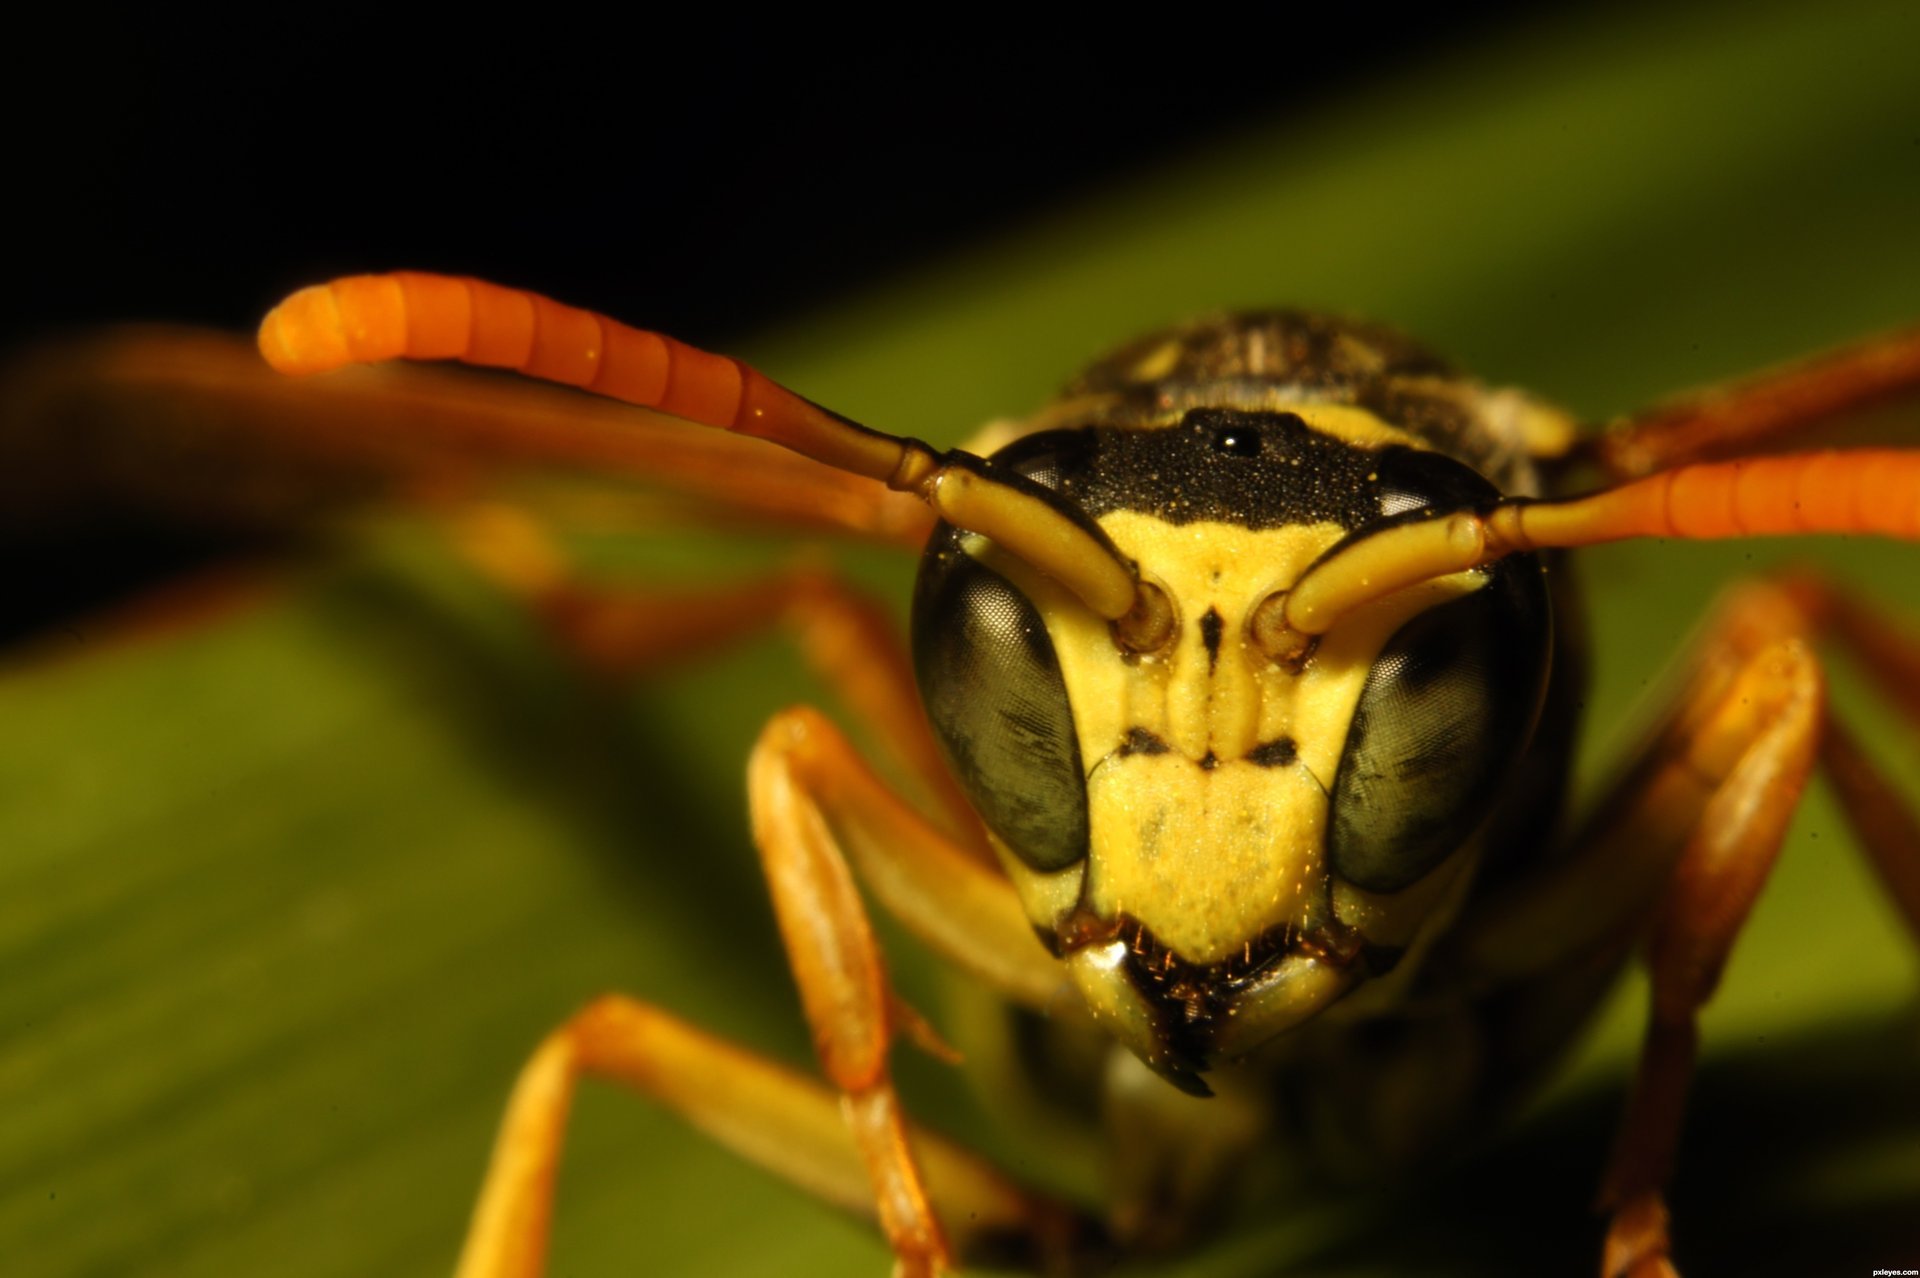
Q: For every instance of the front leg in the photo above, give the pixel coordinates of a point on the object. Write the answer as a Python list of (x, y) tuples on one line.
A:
[(1776, 703), (815, 807), (766, 1113), (1675, 855), (843, 986)]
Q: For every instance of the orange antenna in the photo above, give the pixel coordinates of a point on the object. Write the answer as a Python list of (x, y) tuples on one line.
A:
[(365, 319), (1869, 491)]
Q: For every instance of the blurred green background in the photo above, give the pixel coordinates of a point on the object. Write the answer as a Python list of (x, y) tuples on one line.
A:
[(284, 901)]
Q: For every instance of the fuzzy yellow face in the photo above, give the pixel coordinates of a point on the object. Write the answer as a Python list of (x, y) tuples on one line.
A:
[(1211, 766), (1209, 770), (1219, 839)]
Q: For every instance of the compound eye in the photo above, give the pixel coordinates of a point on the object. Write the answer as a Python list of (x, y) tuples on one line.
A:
[(993, 689), (1446, 711)]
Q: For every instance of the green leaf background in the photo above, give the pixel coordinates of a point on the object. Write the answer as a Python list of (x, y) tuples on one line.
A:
[(285, 900)]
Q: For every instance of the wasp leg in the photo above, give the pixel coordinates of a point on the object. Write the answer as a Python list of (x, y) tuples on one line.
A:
[(1723, 421), (817, 806), (1723, 775), (814, 806), (1770, 713), (1741, 705), (1883, 821), (1731, 852), (1597, 893), (1687, 839), (1889, 654), (766, 1113), (849, 1142), (623, 631)]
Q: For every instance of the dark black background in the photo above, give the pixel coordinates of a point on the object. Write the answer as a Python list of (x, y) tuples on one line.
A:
[(707, 177), (720, 174)]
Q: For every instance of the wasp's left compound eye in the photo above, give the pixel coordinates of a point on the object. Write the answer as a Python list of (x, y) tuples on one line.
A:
[(994, 692)]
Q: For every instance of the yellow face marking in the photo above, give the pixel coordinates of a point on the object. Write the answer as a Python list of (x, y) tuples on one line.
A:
[(1207, 847), (1355, 426)]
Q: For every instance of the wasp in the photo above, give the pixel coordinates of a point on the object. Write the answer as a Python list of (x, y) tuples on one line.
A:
[(1235, 726)]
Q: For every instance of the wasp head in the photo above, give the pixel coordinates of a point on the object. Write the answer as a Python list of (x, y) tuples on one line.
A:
[(1221, 837)]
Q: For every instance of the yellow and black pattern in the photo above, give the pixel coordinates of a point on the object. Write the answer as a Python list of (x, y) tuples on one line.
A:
[(1219, 842)]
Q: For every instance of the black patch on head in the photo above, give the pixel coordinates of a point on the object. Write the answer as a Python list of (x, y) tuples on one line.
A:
[(1277, 753), (1210, 625), (1176, 474), (1254, 360)]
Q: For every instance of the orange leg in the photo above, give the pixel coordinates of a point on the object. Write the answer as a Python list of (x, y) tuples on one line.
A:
[(810, 801), (1687, 838), (1727, 859), (1887, 651), (806, 800), (815, 808), (1774, 703), (1719, 876), (1730, 714), (844, 989), (768, 1114), (1889, 654), (1732, 767), (1726, 421), (1880, 817)]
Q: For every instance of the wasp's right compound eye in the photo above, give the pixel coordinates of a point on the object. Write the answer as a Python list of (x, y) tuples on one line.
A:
[(994, 692), (1445, 714)]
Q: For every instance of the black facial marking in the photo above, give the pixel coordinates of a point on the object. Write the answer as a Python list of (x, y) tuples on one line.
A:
[(1140, 741), (1277, 753), (1177, 474), (1188, 1001), (1210, 625)]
